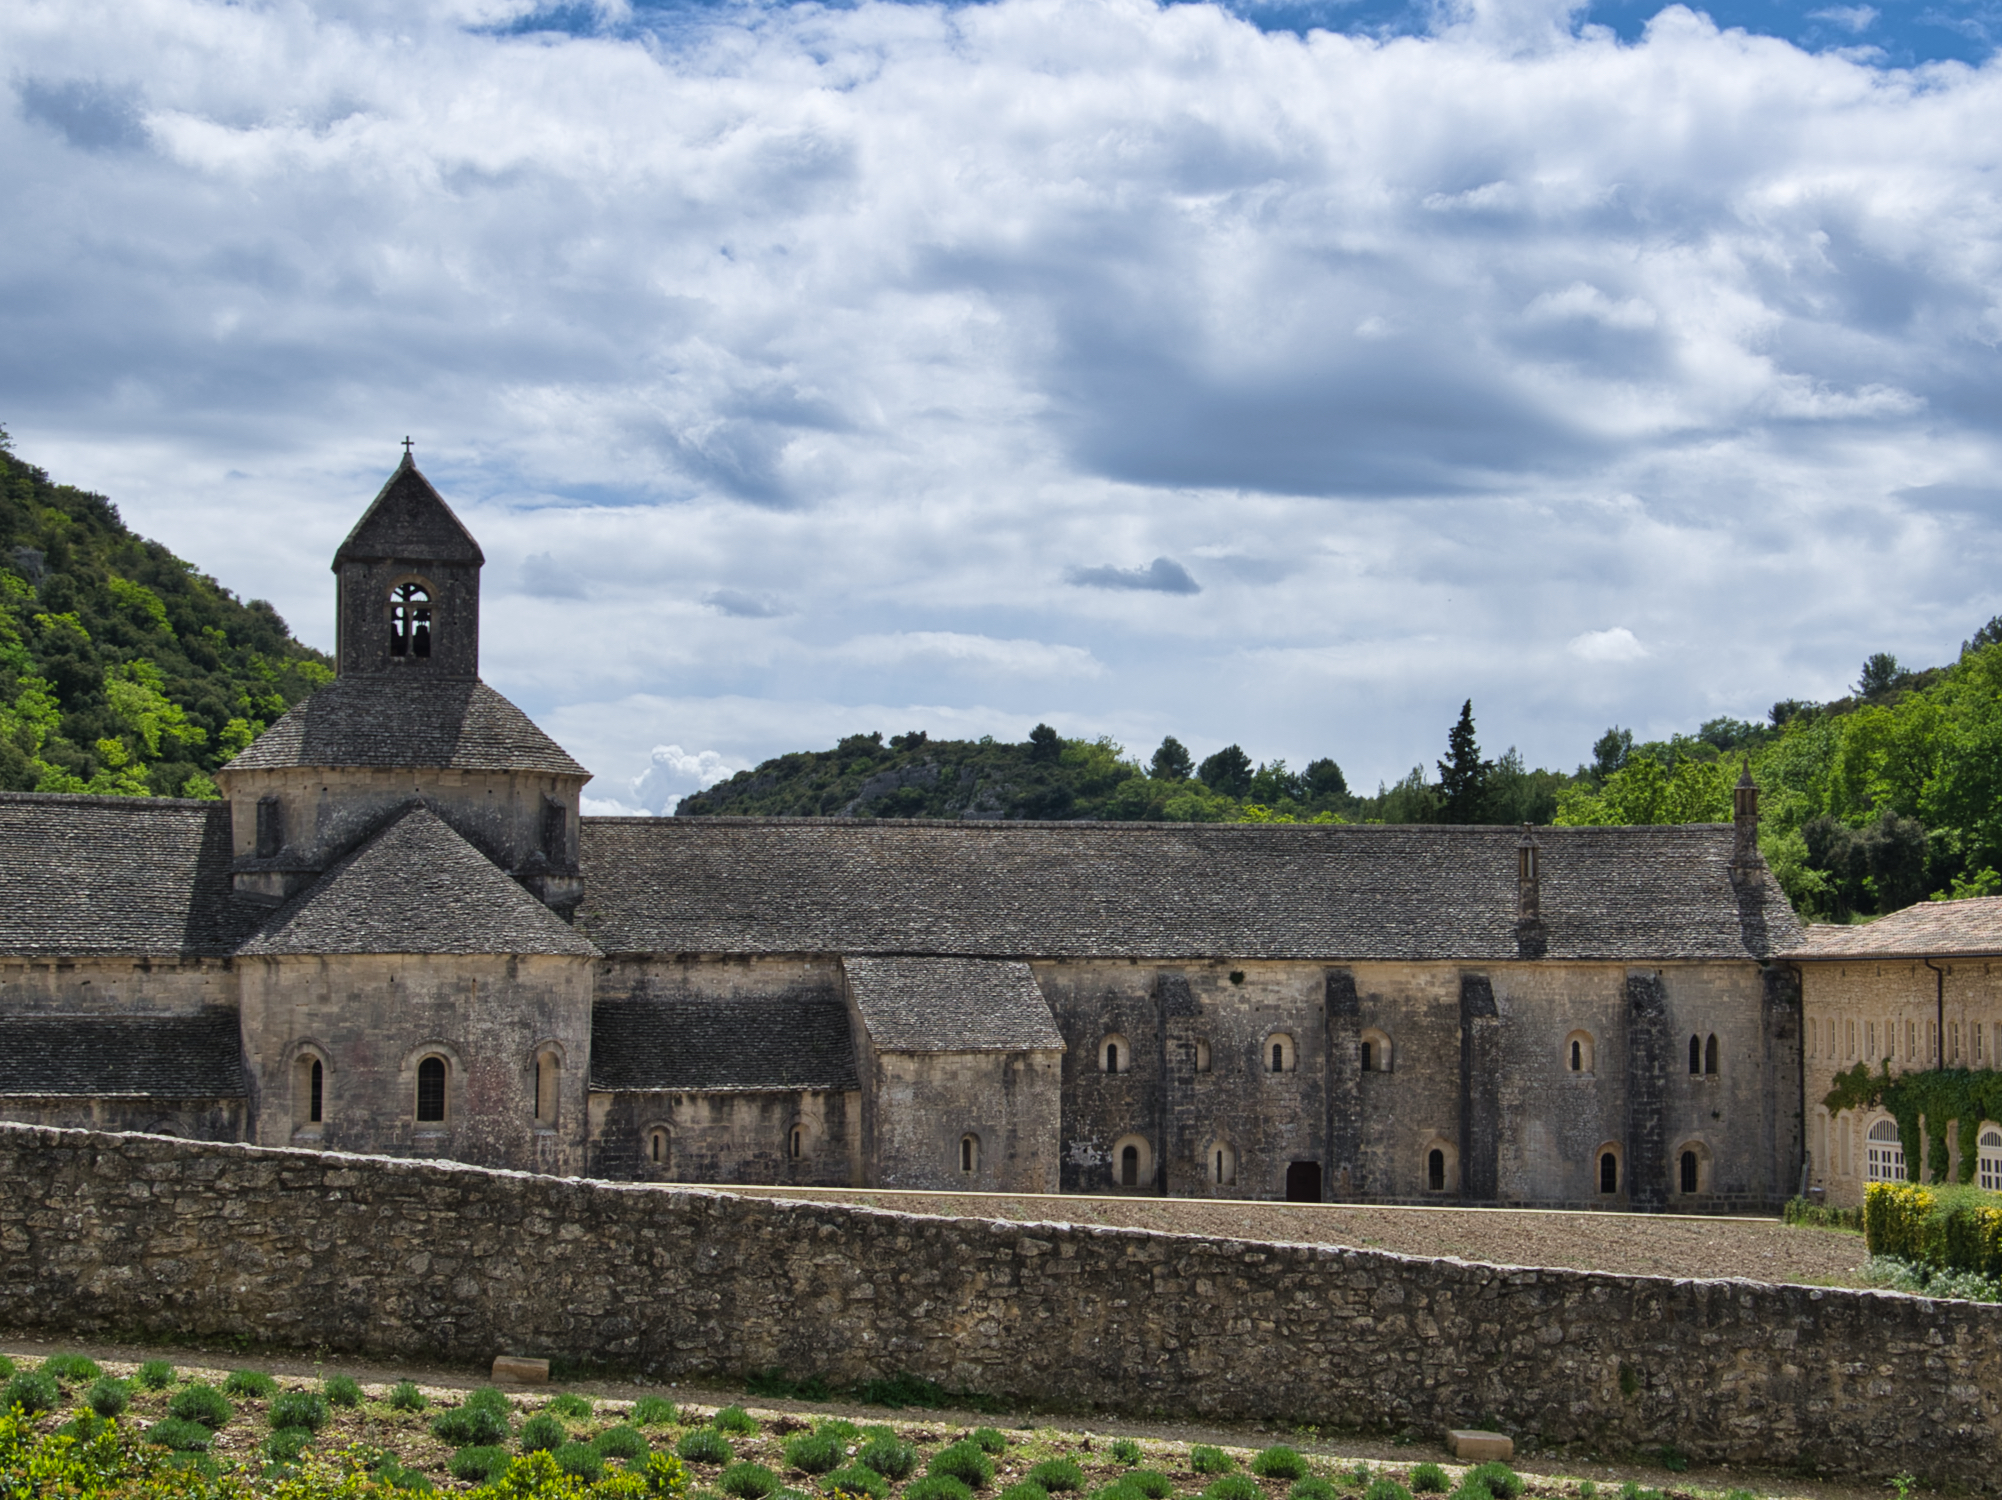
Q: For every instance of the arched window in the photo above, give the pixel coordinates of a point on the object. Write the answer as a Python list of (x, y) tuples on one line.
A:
[(1279, 1056), (1223, 1165), (1132, 1162), (1691, 1171), (1202, 1054), (656, 1147), (431, 1091), (1695, 1055), (1435, 1170), (1129, 1166), (1991, 1158), (1580, 1053), (796, 1142), (1887, 1152), (1366, 1058), (1710, 1054), (969, 1154), (548, 1087), (1609, 1172), (1375, 1051), (410, 620), (316, 1102), (1115, 1055), (309, 1094)]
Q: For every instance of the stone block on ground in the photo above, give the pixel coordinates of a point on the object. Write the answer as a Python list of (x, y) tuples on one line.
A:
[(1478, 1447), (524, 1371)]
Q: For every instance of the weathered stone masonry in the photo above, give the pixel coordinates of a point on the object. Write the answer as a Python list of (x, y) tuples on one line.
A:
[(147, 1235)]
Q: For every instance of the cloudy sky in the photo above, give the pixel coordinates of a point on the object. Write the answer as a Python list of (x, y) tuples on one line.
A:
[(1282, 374)]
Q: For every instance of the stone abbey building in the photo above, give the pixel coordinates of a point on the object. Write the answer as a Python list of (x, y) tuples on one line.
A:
[(396, 934)]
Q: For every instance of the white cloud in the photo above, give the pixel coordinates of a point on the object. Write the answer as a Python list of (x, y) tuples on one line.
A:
[(671, 774), (1617, 644), (1855, 19), (795, 355)]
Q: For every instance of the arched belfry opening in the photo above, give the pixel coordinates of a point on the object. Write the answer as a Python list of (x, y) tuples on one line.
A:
[(409, 585), (410, 620)]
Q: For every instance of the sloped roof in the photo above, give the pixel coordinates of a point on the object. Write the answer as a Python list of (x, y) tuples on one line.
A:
[(951, 1005), (796, 1040), (373, 719), (1163, 890), (410, 521), (1932, 929), (92, 876), (416, 887), (105, 1057)]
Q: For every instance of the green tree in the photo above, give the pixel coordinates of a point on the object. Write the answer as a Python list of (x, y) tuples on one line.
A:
[(1463, 775), (1881, 674), (1227, 772), (1045, 744), (1172, 761), (1325, 781)]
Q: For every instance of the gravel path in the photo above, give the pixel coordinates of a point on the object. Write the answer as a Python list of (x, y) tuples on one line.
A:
[(1634, 1244)]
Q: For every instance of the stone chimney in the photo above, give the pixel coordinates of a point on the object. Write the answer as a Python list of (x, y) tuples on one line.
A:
[(1745, 856), (1532, 939)]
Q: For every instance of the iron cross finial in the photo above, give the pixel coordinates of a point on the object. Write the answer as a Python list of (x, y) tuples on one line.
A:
[(406, 447)]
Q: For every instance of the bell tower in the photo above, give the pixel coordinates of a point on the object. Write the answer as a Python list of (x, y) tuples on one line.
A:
[(409, 586)]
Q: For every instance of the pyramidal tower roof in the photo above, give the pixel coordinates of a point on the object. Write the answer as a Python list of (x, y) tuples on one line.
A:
[(409, 519)]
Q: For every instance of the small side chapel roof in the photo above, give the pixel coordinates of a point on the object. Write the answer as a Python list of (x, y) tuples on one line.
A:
[(416, 887), (409, 520), (951, 1005), (373, 719), (1931, 929)]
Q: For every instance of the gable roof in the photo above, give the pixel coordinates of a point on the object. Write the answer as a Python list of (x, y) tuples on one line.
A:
[(110, 1057), (409, 521), (1931, 929), (747, 1044), (416, 887), (1164, 890), (97, 876), (951, 1005), (375, 719)]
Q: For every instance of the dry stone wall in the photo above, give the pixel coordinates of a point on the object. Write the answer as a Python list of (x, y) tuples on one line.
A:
[(148, 1236)]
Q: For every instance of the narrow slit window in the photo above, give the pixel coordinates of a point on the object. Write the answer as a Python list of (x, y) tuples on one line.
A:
[(1435, 1170), (1577, 1057), (1710, 1055), (431, 1091), (969, 1154), (1367, 1061), (1691, 1171), (656, 1147), (1695, 1055), (316, 1101), (1609, 1172), (1129, 1167), (797, 1145), (410, 620)]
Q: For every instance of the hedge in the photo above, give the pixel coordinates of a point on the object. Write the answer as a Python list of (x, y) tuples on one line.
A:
[(1954, 1228)]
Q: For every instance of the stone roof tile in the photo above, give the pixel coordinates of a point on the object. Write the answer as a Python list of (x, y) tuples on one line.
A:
[(1932, 929), (409, 520), (951, 1005), (416, 887), (112, 1057), (378, 719), (93, 876), (754, 1043), (1163, 890)]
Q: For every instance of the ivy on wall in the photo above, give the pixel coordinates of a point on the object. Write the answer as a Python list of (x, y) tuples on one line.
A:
[(1927, 1102)]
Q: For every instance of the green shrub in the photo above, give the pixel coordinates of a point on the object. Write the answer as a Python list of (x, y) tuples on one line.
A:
[(840, 1429), (735, 1421), (813, 1452), (490, 1398), (988, 1440), (1152, 1483), (1386, 1488), (32, 1391), (195, 1463), (471, 1425), (1430, 1479), (1313, 1487), (396, 1476), (1125, 1451), (965, 1462), (341, 1390), (6, 1368), (1739, 1495), (1502, 1481), (206, 1405), (69, 1367), (1207, 1460), (180, 1435), (1587, 1490), (1631, 1490), (938, 1487), (570, 1406), (1024, 1489), (1674, 1459), (1361, 1475), (579, 1460), (156, 1375), (543, 1433), (620, 1442), (655, 1411), (84, 1427), (1057, 1474), (857, 1479), (1279, 1462), (479, 1463), (404, 1396), (250, 1383), (891, 1457), (1233, 1487), (747, 1481), (704, 1445), (284, 1445), (874, 1430), (1473, 1487), (902, 1390), (306, 1409), (1119, 1489), (108, 1397), (1821, 1216)]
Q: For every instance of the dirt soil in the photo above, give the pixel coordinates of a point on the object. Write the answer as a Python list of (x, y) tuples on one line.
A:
[(1673, 1245)]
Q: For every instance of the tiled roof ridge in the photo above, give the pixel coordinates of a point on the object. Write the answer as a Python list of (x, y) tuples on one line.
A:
[(104, 799), (1139, 826), (448, 541)]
